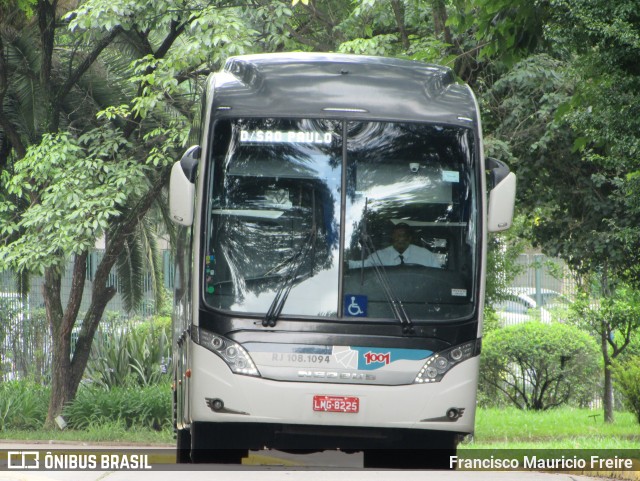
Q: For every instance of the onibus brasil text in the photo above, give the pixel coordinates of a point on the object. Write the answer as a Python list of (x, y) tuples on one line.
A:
[(73, 461)]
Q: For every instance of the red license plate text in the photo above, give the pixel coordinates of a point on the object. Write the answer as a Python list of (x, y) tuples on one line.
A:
[(336, 404)]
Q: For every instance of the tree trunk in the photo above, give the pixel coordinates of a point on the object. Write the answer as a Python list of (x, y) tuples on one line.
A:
[(67, 367), (11, 138), (398, 11), (607, 399), (61, 342), (46, 13), (100, 297), (60, 368), (440, 21)]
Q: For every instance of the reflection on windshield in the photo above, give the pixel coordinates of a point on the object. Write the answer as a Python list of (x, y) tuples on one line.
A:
[(272, 201), (278, 212), (412, 195)]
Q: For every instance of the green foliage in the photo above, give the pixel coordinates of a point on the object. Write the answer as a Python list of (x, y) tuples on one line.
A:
[(560, 97), (605, 116), (148, 406), (75, 188), (539, 366), (209, 34), (490, 321), (140, 251), (508, 29), (371, 27), (131, 356), (23, 404), (615, 317), (570, 113), (16, 12), (611, 29), (562, 121), (567, 110), (111, 432), (627, 379), (502, 266), (378, 45), (431, 50), (521, 108)]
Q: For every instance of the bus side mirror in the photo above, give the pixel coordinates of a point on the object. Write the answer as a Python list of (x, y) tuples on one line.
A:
[(502, 197), (182, 187)]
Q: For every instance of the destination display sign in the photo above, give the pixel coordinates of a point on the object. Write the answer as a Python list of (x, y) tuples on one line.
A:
[(284, 137)]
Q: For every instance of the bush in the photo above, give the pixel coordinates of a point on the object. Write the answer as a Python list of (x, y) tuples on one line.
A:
[(491, 320), (149, 406), (131, 356), (539, 366), (23, 405), (627, 379)]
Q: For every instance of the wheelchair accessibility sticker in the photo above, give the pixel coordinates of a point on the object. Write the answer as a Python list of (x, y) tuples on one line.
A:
[(355, 305)]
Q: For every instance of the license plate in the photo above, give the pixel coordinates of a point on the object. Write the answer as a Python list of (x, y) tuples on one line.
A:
[(336, 404)]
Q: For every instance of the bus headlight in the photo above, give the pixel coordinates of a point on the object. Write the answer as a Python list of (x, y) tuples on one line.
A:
[(232, 353), (441, 362)]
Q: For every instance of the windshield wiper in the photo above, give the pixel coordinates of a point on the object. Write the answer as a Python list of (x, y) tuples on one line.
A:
[(295, 262), (394, 301)]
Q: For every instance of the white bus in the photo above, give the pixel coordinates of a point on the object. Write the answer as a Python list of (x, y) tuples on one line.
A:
[(298, 324)]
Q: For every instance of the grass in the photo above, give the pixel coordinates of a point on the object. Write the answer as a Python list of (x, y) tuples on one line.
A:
[(104, 433), (554, 429), (557, 429)]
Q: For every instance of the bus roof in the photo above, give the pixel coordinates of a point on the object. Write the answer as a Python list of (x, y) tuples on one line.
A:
[(326, 85)]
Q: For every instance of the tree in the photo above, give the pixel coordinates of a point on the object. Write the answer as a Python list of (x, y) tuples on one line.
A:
[(559, 112), (613, 319), (603, 115), (91, 115), (569, 117), (113, 100)]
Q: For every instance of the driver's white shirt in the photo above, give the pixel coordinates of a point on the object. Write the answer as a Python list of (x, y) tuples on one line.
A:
[(391, 257)]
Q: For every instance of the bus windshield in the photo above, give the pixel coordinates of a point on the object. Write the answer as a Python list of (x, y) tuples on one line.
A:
[(341, 219)]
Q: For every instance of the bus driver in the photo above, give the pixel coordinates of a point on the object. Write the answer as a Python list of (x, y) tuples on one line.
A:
[(401, 251)]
